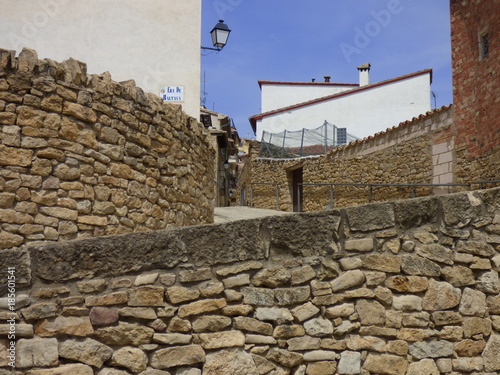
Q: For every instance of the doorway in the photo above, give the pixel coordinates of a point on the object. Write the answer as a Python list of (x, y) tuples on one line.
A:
[(297, 190)]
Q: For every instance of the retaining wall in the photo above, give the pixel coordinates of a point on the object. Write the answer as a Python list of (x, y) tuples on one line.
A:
[(400, 288), (82, 155)]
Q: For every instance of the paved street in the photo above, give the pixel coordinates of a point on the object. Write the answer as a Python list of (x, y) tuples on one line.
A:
[(227, 214)]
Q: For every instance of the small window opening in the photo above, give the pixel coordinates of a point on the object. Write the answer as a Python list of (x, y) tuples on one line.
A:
[(484, 47)]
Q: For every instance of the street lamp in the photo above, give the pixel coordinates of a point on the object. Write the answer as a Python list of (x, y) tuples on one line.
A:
[(219, 33)]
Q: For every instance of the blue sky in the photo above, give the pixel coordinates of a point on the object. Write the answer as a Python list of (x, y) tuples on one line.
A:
[(297, 40)]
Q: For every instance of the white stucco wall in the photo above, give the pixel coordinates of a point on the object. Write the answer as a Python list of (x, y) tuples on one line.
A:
[(155, 42), (274, 96), (363, 113)]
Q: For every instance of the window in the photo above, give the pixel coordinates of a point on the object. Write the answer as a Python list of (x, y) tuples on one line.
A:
[(483, 45)]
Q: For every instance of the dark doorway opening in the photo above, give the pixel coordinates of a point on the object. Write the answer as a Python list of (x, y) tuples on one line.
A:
[(297, 190)]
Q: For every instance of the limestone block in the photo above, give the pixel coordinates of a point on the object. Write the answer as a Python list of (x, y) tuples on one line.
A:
[(231, 361), (91, 286), (212, 323), (177, 294), (473, 302), (423, 367), (40, 311), (124, 334), (441, 296), (116, 298), (385, 364), (383, 263), (284, 357), (74, 369), (238, 268), (258, 296), (359, 343), (363, 245), (188, 276), (138, 312), (88, 351), (476, 326), (304, 343), (436, 252), (348, 280), (9, 240), (468, 364), (272, 277), (370, 312), (302, 275), (37, 353), (211, 289), (291, 296), (414, 265), (491, 353), (62, 325), (201, 307), (288, 331), (100, 316), (253, 325), (179, 325), (131, 358), (433, 349), (318, 327), (368, 218), (349, 363), (470, 348), (177, 356), (236, 281), (263, 365), (459, 276), (304, 312), (407, 303), (489, 282), (478, 248), (416, 319), (172, 338), (321, 368), (275, 314)]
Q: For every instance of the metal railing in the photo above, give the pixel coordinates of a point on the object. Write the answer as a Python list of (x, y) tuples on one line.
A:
[(266, 183), (482, 185)]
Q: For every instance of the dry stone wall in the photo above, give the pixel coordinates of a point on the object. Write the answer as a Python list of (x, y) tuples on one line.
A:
[(82, 155), (399, 288), (401, 155)]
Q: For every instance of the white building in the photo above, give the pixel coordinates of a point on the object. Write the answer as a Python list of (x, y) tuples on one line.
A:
[(363, 108), (155, 42)]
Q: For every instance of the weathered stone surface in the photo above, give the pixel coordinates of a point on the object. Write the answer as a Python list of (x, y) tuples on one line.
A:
[(414, 265), (320, 355), (348, 280), (441, 318), (272, 277), (138, 312), (178, 294), (263, 365), (470, 348), (201, 307), (237, 281), (88, 351), (423, 367), (212, 323), (253, 325), (234, 362), (189, 276), (459, 276), (362, 245), (318, 327), (365, 218), (436, 252), (412, 284), (100, 316), (304, 343), (260, 340), (278, 315), (344, 310), (124, 334), (386, 364), (240, 267), (9, 240), (434, 349), (179, 325), (258, 296), (370, 312), (15, 156), (473, 302), (177, 356), (74, 369), (225, 339), (284, 357), (350, 363), (476, 326), (412, 213), (291, 296), (491, 353), (468, 364), (304, 312), (489, 282), (288, 331), (172, 338), (407, 303), (321, 368), (62, 325), (40, 311), (302, 275), (147, 295), (478, 248), (131, 358), (383, 263), (36, 353), (441, 296), (116, 298), (212, 289)]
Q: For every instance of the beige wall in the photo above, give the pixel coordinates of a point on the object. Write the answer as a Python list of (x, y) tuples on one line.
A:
[(155, 42)]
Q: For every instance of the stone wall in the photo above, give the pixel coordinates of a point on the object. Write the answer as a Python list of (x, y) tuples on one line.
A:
[(400, 288), (416, 151), (82, 155)]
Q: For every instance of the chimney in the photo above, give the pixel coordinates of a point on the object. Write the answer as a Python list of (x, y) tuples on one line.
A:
[(327, 78), (364, 74)]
